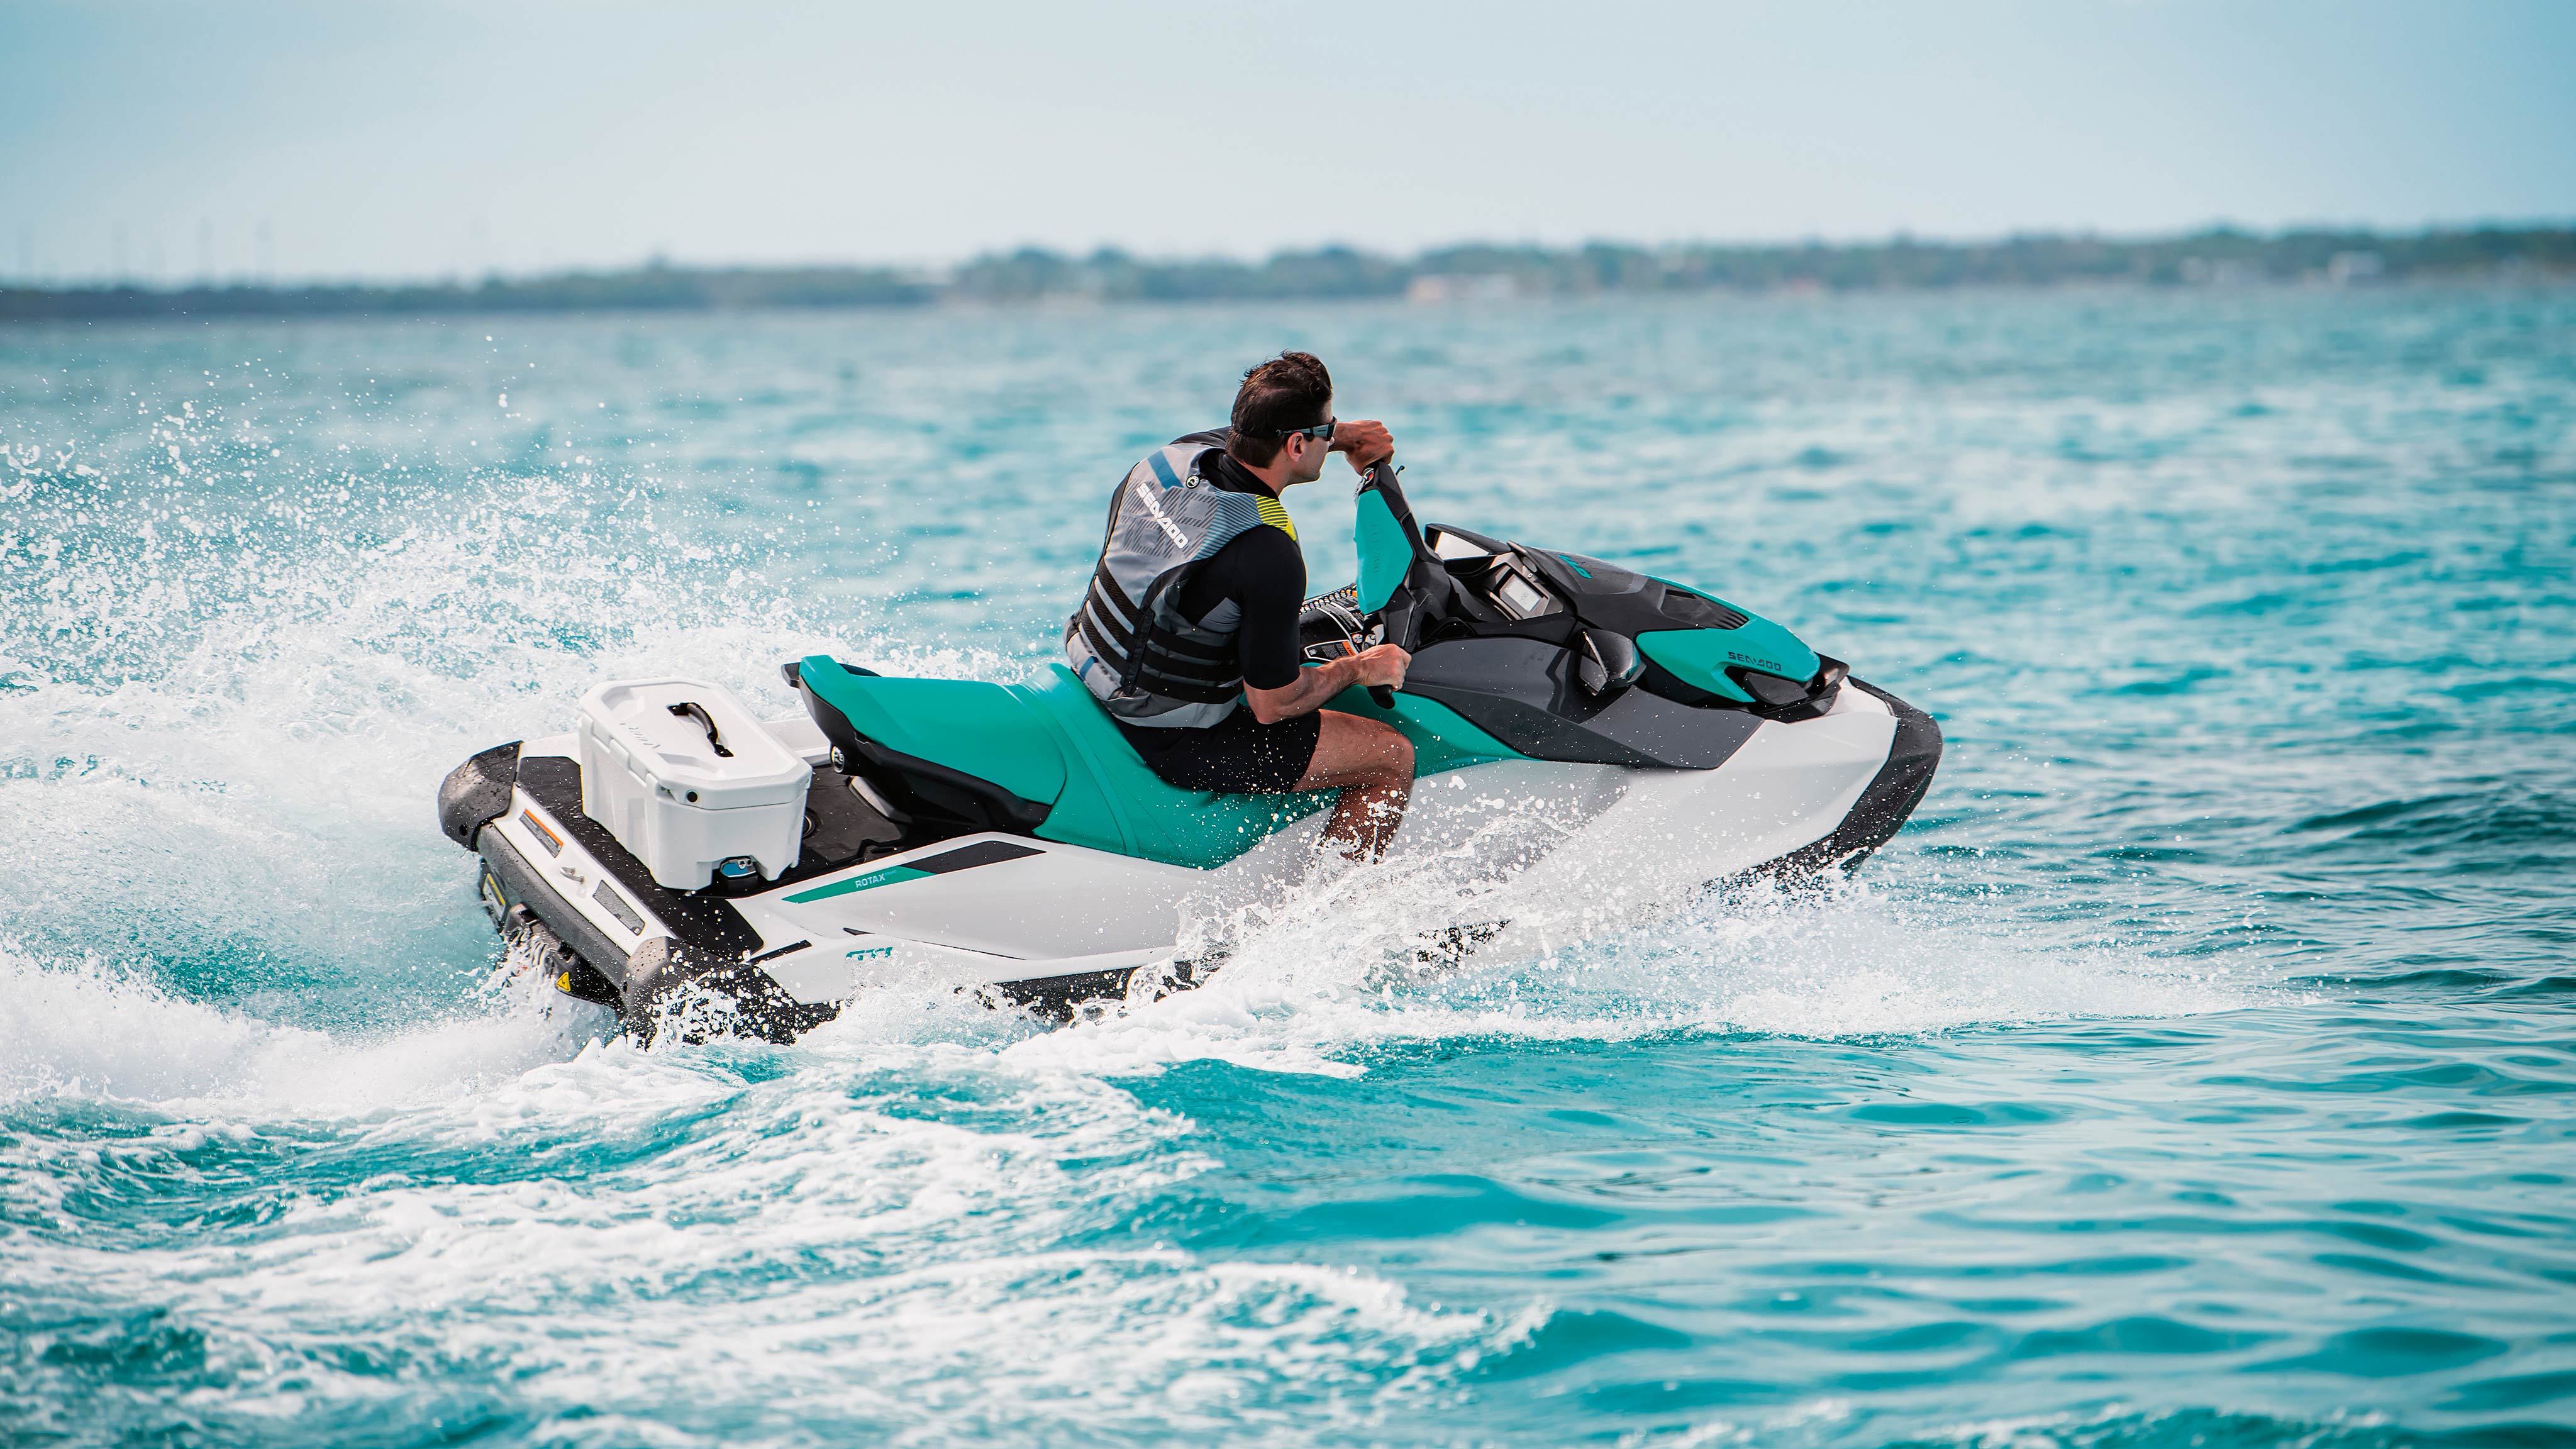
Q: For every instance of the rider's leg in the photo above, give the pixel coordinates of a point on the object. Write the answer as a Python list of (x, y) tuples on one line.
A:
[(1371, 763)]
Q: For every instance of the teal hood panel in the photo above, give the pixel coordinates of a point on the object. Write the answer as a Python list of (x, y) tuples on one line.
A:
[(1701, 656)]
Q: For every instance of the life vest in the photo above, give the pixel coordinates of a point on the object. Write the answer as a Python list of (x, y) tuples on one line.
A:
[(1128, 642)]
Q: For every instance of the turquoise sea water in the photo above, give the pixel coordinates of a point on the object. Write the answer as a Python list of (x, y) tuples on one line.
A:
[(2195, 1071)]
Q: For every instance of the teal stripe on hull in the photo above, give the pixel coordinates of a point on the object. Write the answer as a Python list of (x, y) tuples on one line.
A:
[(891, 875)]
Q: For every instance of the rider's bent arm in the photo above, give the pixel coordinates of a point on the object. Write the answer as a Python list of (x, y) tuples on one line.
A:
[(1319, 683)]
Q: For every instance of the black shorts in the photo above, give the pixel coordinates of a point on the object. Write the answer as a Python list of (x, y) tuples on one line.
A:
[(1238, 755)]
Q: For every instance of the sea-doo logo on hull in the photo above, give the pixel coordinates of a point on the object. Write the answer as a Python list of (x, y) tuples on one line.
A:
[(1154, 510)]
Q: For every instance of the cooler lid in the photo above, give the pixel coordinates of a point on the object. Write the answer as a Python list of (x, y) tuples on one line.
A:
[(686, 736)]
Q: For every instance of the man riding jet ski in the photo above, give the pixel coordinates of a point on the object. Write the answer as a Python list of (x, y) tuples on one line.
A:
[(1057, 840), (1188, 634)]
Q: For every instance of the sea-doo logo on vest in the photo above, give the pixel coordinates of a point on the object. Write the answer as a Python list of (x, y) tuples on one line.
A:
[(1171, 530)]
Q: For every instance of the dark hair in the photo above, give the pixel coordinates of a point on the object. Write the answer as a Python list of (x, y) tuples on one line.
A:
[(1291, 390)]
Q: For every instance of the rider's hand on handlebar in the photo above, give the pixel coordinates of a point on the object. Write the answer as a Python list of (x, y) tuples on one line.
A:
[(1366, 440), (1383, 665)]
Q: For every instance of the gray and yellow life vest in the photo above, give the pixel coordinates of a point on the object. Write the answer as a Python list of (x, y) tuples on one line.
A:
[(1128, 642)]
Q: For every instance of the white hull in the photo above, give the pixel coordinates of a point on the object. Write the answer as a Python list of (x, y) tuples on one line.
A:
[(1549, 833)]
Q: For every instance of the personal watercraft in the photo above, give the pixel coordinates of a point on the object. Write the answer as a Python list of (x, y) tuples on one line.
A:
[(674, 851)]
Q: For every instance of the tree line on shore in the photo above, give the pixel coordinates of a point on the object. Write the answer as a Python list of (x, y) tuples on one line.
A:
[(2221, 256)]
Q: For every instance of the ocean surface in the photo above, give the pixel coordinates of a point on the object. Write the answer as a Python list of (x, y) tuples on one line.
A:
[(2194, 1071)]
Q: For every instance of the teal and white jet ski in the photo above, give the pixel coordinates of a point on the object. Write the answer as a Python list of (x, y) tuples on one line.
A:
[(1005, 839)]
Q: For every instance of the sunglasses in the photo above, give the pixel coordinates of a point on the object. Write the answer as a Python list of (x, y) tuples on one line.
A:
[(1321, 432)]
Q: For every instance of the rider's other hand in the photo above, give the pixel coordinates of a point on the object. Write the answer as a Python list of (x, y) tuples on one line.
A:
[(1366, 440), (1383, 665)]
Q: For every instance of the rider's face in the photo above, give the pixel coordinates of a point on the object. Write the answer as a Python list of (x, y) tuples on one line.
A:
[(1306, 455)]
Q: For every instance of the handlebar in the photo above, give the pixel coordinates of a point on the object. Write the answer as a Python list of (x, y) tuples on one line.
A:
[(1383, 696)]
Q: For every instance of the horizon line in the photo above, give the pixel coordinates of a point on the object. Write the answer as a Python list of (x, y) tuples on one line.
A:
[(937, 272)]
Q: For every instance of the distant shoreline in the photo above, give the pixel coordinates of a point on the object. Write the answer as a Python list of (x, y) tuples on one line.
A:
[(2219, 257)]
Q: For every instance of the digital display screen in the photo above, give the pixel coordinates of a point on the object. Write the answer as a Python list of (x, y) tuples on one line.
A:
[(1520, 596)]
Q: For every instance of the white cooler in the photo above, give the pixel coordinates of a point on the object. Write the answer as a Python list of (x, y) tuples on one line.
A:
[(685, 800)]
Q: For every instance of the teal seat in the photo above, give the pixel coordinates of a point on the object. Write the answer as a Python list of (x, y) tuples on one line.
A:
[(966, 725), (1111, 801), (1050, 743)]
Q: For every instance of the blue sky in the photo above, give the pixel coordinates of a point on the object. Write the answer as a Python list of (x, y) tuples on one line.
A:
[(433, 139)]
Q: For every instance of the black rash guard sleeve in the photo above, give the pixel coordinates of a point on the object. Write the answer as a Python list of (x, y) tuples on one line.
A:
[(1272, 593)]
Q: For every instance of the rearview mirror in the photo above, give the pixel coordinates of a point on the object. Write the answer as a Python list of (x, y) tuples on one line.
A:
[(1606, 663)]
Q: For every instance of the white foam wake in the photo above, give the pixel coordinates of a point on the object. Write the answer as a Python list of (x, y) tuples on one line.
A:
[(90, 1028), (1328, 974)]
